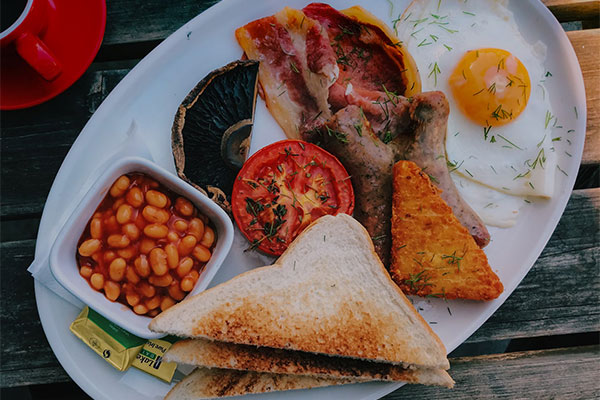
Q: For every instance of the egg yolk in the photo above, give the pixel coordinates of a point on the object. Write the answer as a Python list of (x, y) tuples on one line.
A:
[(490, 86)]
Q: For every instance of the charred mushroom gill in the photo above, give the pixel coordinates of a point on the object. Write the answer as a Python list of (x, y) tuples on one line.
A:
[(212, 129)]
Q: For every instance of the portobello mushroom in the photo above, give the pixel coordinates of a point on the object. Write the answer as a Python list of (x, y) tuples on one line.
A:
[(212, 129)]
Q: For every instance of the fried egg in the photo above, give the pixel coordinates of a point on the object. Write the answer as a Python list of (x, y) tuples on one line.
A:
[(498, 141)]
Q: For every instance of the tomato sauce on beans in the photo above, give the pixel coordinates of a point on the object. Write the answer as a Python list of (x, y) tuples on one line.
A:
[(145, 246)]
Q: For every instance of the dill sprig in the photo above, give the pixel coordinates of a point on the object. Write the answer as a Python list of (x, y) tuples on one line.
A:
[(434, 71)]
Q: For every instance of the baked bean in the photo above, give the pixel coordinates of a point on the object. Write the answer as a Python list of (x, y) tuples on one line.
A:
[(185, 266), (156, 198), (161, 281), (201, 253), (196, 228), (158, 261), (135, 197), (109, 255), (133, 298), (187, 244), (112, 290), (152, 313), (142, 267), (119, 187), (118, 203), (172, 255), (146, 289), (140, 309), (96, 228), (172, 236), (156, 231), (153, 303), (118, 241), (89, 247), (187, 284), (180, 225), (128, 252), (184, 206), (97, 256), (131, 275), (131, 230), (209, 237), (116, 269), (175, 291), (97, 281), (166, 302), (124, 213), (146, 245), (152, 183), (194, 275), (86, 271), (155, 215)]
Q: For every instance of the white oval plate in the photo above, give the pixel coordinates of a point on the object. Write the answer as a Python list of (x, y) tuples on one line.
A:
[(150, 94)]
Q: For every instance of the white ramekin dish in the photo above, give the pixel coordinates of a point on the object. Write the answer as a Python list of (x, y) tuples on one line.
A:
[(63, 262)]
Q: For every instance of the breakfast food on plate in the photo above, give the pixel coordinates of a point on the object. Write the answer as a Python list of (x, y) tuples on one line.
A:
[(499, 143), (432, 253), (145, 246), (210, 383), (369, 161), (373, 73), (372, 62), (212, 129), (285, 186), (215, 354), (304, 62), (327, 294), (297, 68)]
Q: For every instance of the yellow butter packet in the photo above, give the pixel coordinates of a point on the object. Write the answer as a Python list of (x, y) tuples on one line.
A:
[(150, 358), (111, 342)]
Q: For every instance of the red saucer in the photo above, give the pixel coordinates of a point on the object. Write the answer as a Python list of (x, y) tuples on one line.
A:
[(74, 34)]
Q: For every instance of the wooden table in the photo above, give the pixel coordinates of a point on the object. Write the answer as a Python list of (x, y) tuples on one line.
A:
[(542, 343)]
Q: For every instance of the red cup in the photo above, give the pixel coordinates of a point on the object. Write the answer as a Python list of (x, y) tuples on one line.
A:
[(24, 34)]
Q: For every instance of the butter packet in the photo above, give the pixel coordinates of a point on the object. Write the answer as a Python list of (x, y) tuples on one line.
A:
[(111, 342), (150, 358)]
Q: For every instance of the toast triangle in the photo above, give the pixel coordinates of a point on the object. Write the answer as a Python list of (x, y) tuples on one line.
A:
[(210, 383), (216, 354), (328, 293)]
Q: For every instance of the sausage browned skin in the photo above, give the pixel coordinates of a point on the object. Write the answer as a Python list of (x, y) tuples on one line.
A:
[(429, 113), (369, 162)]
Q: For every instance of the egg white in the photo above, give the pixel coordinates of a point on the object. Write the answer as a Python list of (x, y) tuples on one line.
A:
[(437, 35)]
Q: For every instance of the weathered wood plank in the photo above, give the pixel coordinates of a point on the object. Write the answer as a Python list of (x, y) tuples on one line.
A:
[(35, 141), (559, 296), (561, 293), (573, 10), (570, 373), (146, 20), (24, 351), (587, 46)]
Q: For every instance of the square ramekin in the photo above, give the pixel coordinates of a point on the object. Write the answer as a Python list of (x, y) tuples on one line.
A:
[(63, 262)]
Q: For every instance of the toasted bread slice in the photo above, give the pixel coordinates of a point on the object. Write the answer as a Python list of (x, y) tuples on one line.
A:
[(210, 383), (328, 293), (213, 354), (432, 253)]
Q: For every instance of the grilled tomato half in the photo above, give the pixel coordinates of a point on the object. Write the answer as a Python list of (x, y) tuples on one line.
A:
[(285, 186)]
